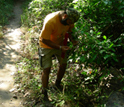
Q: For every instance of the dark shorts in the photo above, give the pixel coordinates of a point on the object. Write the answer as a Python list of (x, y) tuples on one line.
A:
[(45, 56)]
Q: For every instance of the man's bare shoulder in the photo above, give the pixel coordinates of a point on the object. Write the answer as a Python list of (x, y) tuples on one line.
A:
[(51, 18)]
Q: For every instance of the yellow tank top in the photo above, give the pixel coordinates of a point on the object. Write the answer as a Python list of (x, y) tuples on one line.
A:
[(53, 30)]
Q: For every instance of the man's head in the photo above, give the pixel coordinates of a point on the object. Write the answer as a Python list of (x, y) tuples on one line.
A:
[(70, 16)]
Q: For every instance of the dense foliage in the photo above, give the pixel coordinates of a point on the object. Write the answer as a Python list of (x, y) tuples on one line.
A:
[(6, 11), (38, 9), (100, 31)]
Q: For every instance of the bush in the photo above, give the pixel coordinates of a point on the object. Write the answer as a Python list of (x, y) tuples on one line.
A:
[(38, 9), (6, 11), (101, 34)]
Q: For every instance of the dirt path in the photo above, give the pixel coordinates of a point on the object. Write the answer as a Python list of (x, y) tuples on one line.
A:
[(8, 55)]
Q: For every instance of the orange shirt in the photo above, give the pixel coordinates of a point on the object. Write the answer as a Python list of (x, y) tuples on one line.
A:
[(53, 30)]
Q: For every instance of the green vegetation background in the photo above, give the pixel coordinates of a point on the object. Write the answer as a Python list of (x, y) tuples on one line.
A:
[(6, 11)]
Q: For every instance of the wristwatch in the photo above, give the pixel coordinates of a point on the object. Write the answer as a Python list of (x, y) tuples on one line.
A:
[(60, 47)]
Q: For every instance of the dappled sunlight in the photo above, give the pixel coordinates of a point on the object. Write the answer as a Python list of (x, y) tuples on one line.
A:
[(10, 67), (4, 86), (6, 81), (9, 53), (15, 35), (9, 47)]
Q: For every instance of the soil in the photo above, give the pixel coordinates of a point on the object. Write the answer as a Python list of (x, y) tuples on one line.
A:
[(9, 46)]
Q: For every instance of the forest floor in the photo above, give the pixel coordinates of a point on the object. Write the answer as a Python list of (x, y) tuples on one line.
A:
[(9, 46)]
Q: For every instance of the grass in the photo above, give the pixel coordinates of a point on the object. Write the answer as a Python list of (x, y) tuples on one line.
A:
[(77, 86)]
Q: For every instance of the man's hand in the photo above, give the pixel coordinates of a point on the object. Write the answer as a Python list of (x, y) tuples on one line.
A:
[(74, 42), (65, 48)]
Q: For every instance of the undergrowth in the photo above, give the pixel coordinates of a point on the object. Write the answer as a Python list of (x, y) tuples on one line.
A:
[(81, 87), (90, 71), (6, 11)]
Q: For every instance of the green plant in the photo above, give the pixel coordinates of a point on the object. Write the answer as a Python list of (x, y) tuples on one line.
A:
[(1, 33), (6, 11), (40, 9), (98, 46)]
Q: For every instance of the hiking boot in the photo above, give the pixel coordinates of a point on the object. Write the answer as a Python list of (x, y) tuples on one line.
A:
[(58, 86), (45, 97)]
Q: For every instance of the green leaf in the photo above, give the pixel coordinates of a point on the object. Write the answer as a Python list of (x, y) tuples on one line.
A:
[(101, 51), (113, 49), (82, 59), (115, 59), (84, 73), (94, 57), (111, 45), (106, 56), (104, 37), (62, 102)]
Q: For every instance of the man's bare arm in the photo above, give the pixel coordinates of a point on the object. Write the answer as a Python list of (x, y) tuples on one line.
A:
[(55, 46)]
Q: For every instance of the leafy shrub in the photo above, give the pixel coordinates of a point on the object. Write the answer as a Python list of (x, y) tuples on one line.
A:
[(6, 9), (101, 33), (40, 8)]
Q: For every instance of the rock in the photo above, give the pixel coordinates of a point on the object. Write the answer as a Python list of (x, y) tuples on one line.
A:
[(11, 90), (12, 73), (26, 94), (15, 97), (17, 86), (116, 99)]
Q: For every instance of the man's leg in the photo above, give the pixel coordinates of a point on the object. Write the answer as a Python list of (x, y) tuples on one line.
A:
[(60, 74), (45, 62), (45, 79)]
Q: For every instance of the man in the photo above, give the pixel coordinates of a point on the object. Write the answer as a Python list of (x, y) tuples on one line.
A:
[(52, 36)]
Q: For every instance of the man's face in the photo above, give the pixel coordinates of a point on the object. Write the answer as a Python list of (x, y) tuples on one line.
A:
[(69, 21), (66, 21)]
